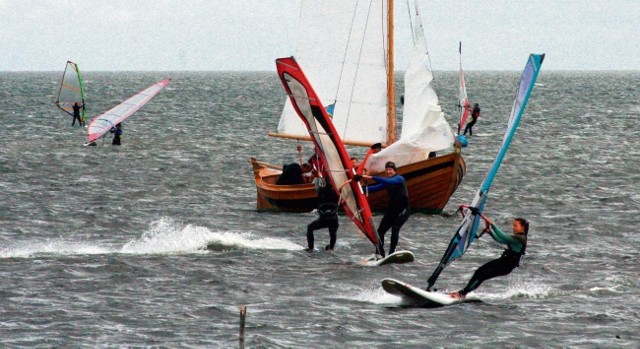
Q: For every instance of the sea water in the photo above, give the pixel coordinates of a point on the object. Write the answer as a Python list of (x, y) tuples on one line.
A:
[(158, 243)]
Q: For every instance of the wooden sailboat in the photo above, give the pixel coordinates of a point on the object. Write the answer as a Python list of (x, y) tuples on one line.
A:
[(346, 50)]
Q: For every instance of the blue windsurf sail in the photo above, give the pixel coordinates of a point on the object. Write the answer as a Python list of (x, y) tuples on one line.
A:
[(466, 233)]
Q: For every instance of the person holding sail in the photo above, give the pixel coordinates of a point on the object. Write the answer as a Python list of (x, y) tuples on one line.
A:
[(398, 209), (328, 202), (510, 259), (475, 114), (117, 134), (76, 114)]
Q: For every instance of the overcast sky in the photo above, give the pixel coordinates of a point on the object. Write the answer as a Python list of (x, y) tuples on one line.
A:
[(250, 34)]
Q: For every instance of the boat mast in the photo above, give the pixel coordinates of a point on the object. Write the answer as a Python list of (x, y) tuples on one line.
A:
[(391, 106)]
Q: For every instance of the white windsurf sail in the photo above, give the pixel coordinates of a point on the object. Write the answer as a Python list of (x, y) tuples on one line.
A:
[(101, 124), (71, 90)]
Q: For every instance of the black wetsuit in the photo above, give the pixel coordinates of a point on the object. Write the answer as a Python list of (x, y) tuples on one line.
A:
[(116, 137), (327, 216), (397, 212), (76, 115), (504, 265), (475, 114)]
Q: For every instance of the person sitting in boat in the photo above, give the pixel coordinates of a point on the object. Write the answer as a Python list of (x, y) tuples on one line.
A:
[(314, 161), (398, 208), (308, 174), (328, 202), (354, 162), (76, 114), (117, 134), (510, 259), (291, 174), (475, 114)]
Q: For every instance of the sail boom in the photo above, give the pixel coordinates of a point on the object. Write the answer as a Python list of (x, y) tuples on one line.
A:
[(308, 139)]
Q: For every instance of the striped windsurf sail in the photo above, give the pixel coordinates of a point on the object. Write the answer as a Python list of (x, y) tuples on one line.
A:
[(71, 90), (463, 104), (328, 145), (466, 233), (101, 124)]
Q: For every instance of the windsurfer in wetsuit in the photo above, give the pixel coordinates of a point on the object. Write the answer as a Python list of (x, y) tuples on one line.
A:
[(398, 209), (510, 259), (327, 214), (117, 133), (76, 114), (475, 114)]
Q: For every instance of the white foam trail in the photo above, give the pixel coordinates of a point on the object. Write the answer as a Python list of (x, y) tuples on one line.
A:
[(59, 247), (167, 236), (375, 296), (518, 289)]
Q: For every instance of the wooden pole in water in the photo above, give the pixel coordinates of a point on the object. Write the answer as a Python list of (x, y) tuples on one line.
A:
[(243, 315)]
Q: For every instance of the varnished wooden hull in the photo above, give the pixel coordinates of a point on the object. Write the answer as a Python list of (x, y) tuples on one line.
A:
[(430, 183)]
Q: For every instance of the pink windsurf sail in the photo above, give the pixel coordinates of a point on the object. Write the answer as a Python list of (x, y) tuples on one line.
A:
[(101, 124), (464, 104)]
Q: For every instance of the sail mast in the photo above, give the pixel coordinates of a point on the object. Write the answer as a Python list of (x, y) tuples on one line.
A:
[(391, 106)]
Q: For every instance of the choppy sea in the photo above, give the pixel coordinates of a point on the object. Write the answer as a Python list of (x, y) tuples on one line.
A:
[(107, 246)]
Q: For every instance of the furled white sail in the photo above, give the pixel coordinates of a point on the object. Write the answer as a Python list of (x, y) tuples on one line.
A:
[(342, 47), (424, 127)]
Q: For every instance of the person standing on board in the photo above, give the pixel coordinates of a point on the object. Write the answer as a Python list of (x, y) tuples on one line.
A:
[(475, 114), (76, 114), (328, 202), (398, 209), (510, 259), (117, 134)]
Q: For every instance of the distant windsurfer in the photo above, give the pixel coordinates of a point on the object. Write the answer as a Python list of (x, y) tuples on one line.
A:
[(327, 214), (475, 114), (76, 114), (398, 209), (117, 134), (510, 259)]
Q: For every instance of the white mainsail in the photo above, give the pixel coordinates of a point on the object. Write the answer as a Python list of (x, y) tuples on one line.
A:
[(342, 47)]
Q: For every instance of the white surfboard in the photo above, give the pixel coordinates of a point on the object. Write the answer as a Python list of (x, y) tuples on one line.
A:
[(398, 257), (422, 297)]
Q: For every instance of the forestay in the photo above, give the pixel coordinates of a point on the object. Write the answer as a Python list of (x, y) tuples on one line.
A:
[(71, 90), (101, 124), (466, 233), (328, 145)]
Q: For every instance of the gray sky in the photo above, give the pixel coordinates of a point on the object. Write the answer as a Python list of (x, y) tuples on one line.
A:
[(250, 34)]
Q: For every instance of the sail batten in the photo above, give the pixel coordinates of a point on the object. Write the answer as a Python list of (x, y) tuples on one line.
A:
[(466, 232), (101, 124)]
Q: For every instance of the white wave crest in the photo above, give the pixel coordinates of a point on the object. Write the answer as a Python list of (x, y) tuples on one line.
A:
[(167, 236)]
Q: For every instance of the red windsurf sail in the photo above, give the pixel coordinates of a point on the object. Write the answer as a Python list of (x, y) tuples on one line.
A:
[(329, 146)]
